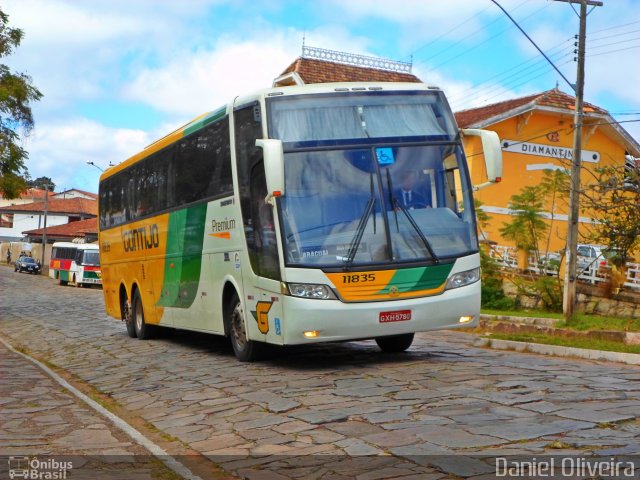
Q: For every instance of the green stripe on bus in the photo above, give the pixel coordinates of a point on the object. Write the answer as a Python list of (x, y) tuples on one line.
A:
[(184, 257), (90, 274), (201, 122), (420, 278)]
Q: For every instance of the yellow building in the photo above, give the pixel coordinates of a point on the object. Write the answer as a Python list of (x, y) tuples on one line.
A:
[(536, 133)]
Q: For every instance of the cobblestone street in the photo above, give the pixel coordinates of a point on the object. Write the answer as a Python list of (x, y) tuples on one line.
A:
[(340, 409)]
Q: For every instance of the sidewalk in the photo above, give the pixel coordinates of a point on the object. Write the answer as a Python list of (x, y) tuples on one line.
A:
[(41, 420)]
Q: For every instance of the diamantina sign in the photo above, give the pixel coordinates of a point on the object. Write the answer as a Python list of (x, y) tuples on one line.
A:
[(552, 151)]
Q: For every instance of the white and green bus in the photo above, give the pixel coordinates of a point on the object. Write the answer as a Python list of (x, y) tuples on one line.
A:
[(77, 263), (298, 215)]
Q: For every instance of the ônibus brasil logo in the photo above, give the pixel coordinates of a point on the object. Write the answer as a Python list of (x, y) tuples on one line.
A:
[(33, 468)]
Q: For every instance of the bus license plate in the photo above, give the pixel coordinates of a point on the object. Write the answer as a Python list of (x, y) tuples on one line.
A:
[(395, 316)]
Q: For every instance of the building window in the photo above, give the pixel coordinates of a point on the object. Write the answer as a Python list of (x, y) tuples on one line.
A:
[(6, 220)]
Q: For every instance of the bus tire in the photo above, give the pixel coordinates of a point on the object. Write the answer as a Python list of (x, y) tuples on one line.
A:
[(244, 350), (127, 316), (395, 343), (142, 330)]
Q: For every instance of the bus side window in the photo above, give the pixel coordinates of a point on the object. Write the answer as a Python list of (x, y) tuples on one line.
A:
[(264, 236)]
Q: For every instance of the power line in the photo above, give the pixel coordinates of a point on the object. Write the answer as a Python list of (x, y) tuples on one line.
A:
[(453, 30), (615, 27), (615, 43), (479, 30), (526, 73), (612, 51), (536, 61), (597, 39)]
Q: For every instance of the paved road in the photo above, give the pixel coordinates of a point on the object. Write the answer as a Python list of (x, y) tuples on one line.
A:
[(336, 410)]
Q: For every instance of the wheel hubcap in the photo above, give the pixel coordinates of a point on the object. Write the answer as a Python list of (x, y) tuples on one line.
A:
[(138, 317), (237, 327)]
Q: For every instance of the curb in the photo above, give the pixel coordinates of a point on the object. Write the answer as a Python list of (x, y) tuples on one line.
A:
[(545, 322), (558, 350)]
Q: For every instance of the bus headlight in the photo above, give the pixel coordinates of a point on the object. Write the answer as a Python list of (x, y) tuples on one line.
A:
[(310, 290), (462, 279)]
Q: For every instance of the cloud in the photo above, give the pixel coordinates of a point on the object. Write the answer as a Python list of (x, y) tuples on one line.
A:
[(60, 150), (207, 79)]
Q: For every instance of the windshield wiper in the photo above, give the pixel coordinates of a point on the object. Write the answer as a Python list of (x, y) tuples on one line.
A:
[(395, 203), (362, 225)]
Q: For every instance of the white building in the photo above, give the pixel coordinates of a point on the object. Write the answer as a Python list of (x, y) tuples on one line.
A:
[(19, 218)]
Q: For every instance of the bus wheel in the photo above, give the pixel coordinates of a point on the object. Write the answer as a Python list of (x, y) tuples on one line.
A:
[(143, 331), (245, 350), (127, 315), (395, 343)]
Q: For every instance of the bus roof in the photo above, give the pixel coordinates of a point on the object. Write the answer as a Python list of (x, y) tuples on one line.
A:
[(209, 117)]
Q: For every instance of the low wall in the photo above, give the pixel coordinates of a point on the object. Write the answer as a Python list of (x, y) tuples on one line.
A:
[(590, 299)]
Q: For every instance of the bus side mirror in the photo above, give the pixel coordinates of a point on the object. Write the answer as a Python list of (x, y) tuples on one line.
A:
[(492, 154), (273, 156)]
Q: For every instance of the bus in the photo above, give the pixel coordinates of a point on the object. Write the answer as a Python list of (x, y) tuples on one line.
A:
[(62, 265), (88, 270), (77, 263), (280, 219)]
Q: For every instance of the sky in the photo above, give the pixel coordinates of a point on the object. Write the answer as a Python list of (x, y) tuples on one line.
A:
[(116, 75)]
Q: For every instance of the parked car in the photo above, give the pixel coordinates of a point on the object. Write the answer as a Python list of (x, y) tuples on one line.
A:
[(27, 264), (550, 263), (592, 258)]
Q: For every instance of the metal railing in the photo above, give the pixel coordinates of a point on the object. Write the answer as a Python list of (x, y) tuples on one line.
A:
[(589, 270)]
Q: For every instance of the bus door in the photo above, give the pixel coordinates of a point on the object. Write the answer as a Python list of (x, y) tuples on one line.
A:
[(261, 282), (266, 262)]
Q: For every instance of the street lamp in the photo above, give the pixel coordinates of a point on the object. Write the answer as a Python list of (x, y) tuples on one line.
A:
[(89, 162)]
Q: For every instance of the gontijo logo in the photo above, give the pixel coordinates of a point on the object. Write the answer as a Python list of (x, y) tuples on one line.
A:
[(140, 238)]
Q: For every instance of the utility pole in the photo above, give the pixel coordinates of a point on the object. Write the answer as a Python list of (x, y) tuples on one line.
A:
[(44, 231), (570, 278)]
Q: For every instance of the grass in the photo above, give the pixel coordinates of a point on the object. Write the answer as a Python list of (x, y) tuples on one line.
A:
[(588, 343), (581, 322)]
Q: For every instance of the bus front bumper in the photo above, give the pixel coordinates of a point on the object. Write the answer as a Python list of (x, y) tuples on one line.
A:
[(314, 321)]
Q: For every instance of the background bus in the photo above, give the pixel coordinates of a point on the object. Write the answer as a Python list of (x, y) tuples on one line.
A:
[(77, 263), (62, 266), (282, 218), (87, 265)]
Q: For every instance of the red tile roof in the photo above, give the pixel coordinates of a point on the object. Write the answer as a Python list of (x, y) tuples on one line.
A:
[(320, 71), (32, 194), (73, 206), (71, 229), (551, 98)]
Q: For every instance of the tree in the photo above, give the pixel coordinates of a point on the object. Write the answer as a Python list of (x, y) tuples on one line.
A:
[(16, 120), (614, 200), (527, 226), (44, 183)]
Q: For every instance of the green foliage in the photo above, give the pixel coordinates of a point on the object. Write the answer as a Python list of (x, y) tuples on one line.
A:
[(16, 93), (526, 227), (493, 295), (44, 183)]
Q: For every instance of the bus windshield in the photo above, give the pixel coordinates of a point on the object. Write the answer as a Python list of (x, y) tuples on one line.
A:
[(91, 257), (377, 205), (336, 117)]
